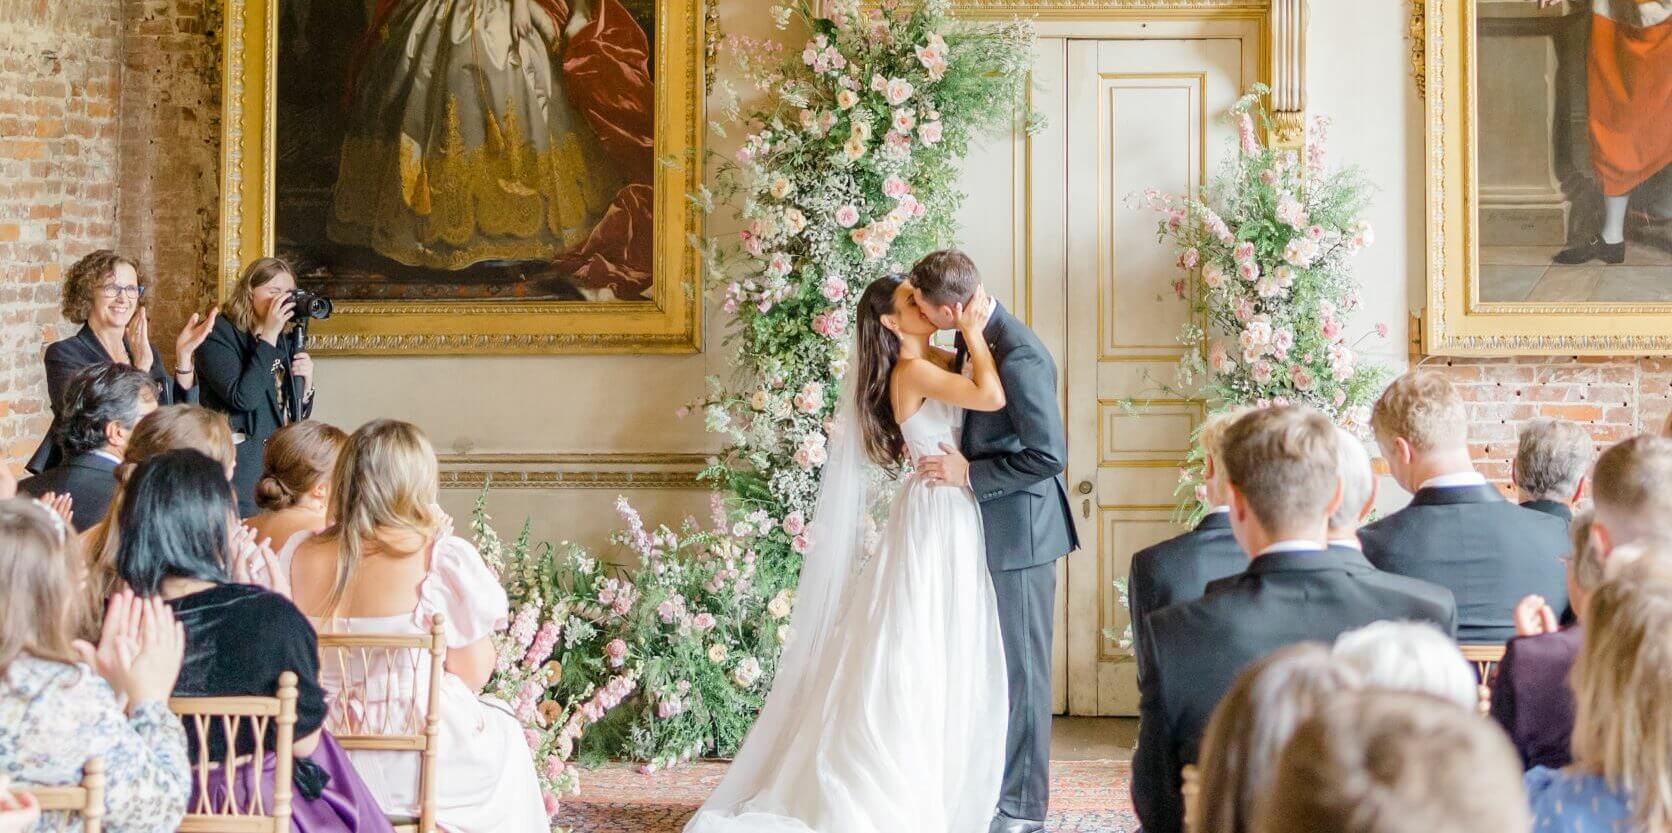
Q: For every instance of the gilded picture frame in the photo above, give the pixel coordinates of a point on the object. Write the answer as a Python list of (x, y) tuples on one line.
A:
[(1457, 320), (666, 321)]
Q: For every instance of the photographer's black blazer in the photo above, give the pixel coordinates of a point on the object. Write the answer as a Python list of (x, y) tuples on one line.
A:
[(1489, 552), (1196, 650), (63, 359), (235, 373)]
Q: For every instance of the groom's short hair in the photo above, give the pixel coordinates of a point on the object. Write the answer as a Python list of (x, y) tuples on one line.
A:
[(1283, 462), (946, 278)]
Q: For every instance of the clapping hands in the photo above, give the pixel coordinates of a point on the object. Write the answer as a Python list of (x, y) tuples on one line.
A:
[(18, 811), (254, 562), (1533, 617), (141, 647)]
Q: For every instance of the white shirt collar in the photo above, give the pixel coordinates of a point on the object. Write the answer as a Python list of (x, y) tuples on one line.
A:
[(1294, 545), (1351, 543), (108, 456), (1454, 480), (1219, 510)]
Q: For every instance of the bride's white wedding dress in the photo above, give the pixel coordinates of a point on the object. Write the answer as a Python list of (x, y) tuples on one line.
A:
[(896, 721)]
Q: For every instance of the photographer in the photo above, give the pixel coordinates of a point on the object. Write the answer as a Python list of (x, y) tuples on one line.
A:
[(252, 370)]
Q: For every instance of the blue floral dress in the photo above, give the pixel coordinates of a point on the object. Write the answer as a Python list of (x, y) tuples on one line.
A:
[(53, 717), (1572, 801)]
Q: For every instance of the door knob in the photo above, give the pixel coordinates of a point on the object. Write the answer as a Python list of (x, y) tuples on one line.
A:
[(1085, 487)]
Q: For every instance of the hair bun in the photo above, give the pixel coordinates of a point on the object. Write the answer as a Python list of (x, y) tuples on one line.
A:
[(271, 494)]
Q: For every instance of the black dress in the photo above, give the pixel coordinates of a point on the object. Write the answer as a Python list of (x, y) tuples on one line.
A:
[(63, 359), (239, 639), (241, 376)]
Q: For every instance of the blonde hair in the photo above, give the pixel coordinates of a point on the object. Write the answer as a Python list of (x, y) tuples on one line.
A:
[(1282, 461), (298, 456), (1425, 409), (1622, 726), (1253, 722), (384, 486), (169, 428), (1588, 566), (1630, 488), (40, 611), (1377, 761), (239, 307), (1211, 438)]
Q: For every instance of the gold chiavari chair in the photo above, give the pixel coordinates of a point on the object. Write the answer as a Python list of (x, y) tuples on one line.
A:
[(1485, 659), (370, 711), (85, 800), (230, 811), (1192, 793)]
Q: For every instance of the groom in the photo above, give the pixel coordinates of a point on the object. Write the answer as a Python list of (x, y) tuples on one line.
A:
[(1013, 460)]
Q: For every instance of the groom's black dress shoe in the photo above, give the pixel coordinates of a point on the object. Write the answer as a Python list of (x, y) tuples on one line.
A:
[(1005, 824), (1593, 249)]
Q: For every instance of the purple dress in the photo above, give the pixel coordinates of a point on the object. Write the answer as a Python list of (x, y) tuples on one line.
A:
[(239, 639)]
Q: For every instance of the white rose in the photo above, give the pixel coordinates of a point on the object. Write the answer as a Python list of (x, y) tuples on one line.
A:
[(898, 90)]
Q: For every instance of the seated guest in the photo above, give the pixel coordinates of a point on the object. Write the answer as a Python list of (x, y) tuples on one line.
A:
[(1179, 569), (1377, 761), (1621, 777), (1409, 656), (176, 520), (1530, 697), (102, 404), (1551, 460), (1629, 488), (1280, 463), (102, 293), (1458, 532), (388, 566), (170, 428), (295, 486), (62, 702), (252, 370), (1251, 725), (1358, 491)]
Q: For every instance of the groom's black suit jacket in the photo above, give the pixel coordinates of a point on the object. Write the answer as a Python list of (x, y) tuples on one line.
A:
[(1196, 650), (1017, 454)]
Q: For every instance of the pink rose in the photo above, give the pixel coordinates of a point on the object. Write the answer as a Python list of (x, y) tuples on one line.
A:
[(616, 651), (834, 288), (1245, 251), (847, 216), (929, 132), (1213, 275), (1245, 310), (1218, 359), (703, 621), (1381, 330), (1261, 371), (531, 737), (895, 187), (550, 802), (795, 523), (1301, 377), (801, 543), (1190, 258), (1249, 271), (1315, 232), (1332, 329)]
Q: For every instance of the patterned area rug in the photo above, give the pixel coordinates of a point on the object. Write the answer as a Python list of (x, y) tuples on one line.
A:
[(1086, 797)]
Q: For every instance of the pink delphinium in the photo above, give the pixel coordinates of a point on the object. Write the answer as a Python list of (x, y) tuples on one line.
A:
[(541, 648)]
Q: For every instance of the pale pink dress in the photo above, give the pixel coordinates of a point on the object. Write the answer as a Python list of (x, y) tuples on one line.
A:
[(485, 781)]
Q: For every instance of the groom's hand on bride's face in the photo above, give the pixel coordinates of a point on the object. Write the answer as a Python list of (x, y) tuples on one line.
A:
[(949, 469)]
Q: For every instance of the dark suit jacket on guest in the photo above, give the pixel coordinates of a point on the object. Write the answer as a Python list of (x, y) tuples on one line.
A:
[(236, 372), (63, 359), (1555, 508), (89, 478), (1179, 570), (1017, 454), (1489, 552), (1531, 698), (1196, 649)]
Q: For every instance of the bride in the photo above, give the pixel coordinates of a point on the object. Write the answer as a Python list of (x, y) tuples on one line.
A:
[(889, 708)]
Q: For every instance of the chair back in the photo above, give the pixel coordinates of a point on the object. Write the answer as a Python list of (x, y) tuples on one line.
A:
[(1485, 659), (388, 698), (1192, 793), (240, 807), (84, 800)]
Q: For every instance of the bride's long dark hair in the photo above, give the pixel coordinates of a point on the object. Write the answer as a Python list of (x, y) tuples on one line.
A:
[(878, 350)]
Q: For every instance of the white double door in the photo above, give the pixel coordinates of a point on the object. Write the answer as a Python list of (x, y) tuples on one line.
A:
[(1140, 106)]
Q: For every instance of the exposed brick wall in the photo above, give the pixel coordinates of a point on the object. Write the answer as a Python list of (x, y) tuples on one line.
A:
[(60, 78), (1613, 397)]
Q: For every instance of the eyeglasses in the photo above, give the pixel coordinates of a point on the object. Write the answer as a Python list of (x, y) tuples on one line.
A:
[(114, 291)]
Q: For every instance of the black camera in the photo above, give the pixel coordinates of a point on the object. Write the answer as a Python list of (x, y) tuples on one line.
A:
[(308, 305)]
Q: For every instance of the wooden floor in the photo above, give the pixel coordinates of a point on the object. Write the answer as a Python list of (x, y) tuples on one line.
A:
[(1093, 738)]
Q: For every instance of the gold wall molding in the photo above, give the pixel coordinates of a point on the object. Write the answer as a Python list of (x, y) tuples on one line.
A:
[(669, 322), (1288, 72), (613, 471), (1455, 321)]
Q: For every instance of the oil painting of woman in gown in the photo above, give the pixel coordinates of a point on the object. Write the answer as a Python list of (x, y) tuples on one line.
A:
[(484, 148)]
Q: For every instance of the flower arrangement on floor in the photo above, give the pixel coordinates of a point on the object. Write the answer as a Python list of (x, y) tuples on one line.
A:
[(847, 171), (1271, 242)]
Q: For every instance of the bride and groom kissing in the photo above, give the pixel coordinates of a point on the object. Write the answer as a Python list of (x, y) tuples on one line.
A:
[(916, 693)]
